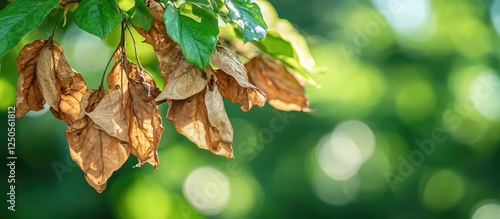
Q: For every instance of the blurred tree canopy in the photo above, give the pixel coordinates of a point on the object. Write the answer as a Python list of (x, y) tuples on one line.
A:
[(406, 125)]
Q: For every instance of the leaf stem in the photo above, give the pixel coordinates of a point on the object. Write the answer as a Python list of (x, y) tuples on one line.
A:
[(120, 49), (55, 27), (135, 46)]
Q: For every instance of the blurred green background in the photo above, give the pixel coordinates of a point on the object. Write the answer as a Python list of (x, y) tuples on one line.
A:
[(407, 125)]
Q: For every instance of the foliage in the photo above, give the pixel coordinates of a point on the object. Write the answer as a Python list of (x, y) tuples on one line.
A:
[(105, 126)]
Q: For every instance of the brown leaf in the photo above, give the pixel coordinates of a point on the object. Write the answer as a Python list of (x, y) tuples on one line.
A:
[(142, 82), (203, 120), (117, 77), (169, 53), (28, 94), (47, 79), (283, 91), (109, 115), (96, 152), (69, 106), (143, 116), (184, 85), (62, 69), (175, 69), (233, 81), (141, 112)]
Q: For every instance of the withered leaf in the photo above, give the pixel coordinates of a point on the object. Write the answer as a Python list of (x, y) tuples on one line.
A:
[(117, 77), (96, 153), (109, 115), (233, 81), (61, 67), (141, 112), (182, 79), (28, 94), (47, 79), (203, 120), (184, 85), (169, 53), (143, 116), (283, 90), (69, 106), (54, 74), (142, 81)]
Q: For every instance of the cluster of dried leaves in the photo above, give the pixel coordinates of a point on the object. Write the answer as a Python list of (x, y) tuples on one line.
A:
[(105, 126)]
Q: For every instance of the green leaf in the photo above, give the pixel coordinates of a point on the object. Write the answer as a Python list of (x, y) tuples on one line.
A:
[(19, 18), (98, 17), (140, 16), (195, 29), (277, 47), (247, 16)]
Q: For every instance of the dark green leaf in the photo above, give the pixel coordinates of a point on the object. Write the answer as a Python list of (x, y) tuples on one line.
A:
[(195, 29), (19, 18), (140, 16), (98, 17), (247, 16)]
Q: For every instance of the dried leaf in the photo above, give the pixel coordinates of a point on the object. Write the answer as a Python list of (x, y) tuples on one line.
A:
[(62, 69), (117, 77), (183, 86), (283, 91), (143, 116), (141, 112), (233, 81), (182, 79), (69, 107), (45, 73), (28, 94), (109, 115), (203, 120), (96, 152), (142, 82), (168, 52)]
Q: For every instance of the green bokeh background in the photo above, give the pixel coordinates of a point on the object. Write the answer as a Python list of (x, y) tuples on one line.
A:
[(439, 83)]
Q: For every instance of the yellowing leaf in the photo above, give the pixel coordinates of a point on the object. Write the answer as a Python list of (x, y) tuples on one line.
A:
[(233, 81), (203, 120), (28, 94), (283, 91)]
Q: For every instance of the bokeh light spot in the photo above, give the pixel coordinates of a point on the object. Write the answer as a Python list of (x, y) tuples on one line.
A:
[(143, 200), (207, 189), (487, 209), (335, 192), (485, 93), (408, 18), (443, 190), (341, 154), (8, 94), (415, 101)]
